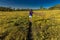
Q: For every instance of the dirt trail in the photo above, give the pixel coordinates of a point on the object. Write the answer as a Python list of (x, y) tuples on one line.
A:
[(29, 34)]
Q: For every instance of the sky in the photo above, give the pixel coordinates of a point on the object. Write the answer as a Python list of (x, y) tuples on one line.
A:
[(32, 4)]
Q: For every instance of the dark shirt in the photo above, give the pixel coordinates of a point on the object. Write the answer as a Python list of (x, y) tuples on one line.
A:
[(31, 13)]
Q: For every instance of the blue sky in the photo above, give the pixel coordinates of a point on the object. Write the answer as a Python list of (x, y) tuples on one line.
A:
[(28, 3)]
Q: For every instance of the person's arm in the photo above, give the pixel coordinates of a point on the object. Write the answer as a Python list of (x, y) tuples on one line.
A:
[(35, 13), (39, 14)]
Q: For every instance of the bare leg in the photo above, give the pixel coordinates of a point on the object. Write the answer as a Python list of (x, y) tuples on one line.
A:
[(30, 19)]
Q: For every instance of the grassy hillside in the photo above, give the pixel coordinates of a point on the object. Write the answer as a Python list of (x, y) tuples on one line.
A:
[(14, 25)]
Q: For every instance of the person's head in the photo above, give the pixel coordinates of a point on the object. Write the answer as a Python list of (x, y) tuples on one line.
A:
[(31, 10)]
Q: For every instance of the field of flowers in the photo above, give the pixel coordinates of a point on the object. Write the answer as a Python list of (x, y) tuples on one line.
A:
[(15, 25)]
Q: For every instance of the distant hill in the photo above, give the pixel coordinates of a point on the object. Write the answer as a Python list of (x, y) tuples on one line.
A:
[(6, 9), (56, 7), (12, 9)]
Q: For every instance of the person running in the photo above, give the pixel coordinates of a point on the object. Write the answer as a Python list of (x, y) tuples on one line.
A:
[(30, 15)]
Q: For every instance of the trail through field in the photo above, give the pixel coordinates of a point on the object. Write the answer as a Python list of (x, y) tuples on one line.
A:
[(29, 33), (16, 25)]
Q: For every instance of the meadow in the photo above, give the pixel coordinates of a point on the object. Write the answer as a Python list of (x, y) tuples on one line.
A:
[(45, 25)]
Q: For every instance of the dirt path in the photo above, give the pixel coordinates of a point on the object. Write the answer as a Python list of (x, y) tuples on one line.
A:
[(29, 34)]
